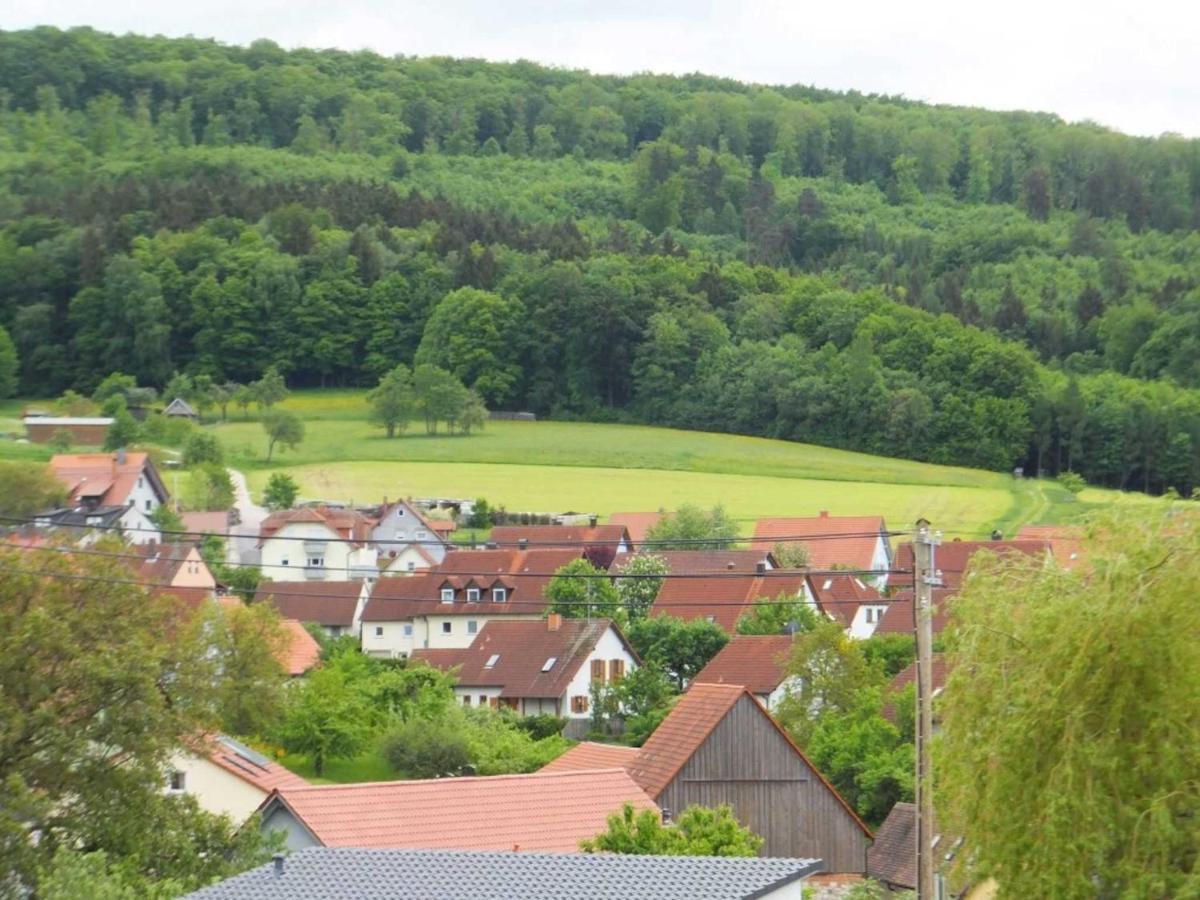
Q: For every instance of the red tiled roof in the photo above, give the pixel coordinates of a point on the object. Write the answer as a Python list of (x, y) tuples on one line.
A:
[(908, 674), (100, 475), (328, 603), (854, 551), (723, 598), (758, 662), (302, 651), (523, 573), (549, 812), (840, 596), (558, 536), (161, 562), (953, 558), (695, 715), (254, 769), (1066, 543), (592, 755), (205, 522), (898, 618), (348, 524), (699, 562), (636, 524), (522, 649), (892, 858)]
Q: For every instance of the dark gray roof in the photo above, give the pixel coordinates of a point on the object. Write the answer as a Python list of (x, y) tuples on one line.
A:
[(100, 516), (328, 873)]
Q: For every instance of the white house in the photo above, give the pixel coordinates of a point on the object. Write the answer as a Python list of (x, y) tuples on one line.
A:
[(757, 662), (95, 480), (850, 600), (317, 543), (407, 540), (337, 606), (447, 607), (227, 777), (86, 525), (546, 666)]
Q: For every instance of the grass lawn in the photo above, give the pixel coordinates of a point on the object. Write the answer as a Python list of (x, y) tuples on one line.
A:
[(370, 766)]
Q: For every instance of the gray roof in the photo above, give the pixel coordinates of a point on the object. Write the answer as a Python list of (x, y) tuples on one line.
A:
[(328, 873), (69, 516)]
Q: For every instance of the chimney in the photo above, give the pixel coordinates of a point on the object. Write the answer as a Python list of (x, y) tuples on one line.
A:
[(278, 860), (523, 544), (824, 514), (553, 621), (760, 568), (594, 520)]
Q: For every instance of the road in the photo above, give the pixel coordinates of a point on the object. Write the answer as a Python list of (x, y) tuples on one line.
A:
[(244, 548)]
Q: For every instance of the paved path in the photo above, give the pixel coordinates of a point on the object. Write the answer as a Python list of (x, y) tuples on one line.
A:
[(244, 548)]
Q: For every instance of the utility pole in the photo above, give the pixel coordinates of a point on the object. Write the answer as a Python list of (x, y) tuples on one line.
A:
[(924, 579)]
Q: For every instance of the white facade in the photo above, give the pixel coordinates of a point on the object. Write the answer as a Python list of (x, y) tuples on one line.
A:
[(447, 631), (312, 551), (403, 528), (407, 561), (143, 496), (881, 561), (137, 528), (866, 620), (216, 790)]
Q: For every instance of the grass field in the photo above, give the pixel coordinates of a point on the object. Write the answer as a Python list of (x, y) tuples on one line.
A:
[(579, 467)]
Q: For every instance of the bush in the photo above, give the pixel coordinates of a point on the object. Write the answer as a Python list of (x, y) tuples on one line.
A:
[(542, 726), (1071, 481), (167, 430), (422, 749), (202, 447)]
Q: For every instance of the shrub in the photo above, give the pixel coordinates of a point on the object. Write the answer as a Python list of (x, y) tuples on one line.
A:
[(423, 749), (202, 447), (1072, 481)]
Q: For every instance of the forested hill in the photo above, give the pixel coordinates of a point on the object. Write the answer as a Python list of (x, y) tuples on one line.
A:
[(939, 283)]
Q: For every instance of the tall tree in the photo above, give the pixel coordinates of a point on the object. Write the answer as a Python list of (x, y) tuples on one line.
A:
[(393, 402)]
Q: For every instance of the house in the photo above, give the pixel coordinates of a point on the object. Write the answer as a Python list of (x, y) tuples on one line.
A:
[(892, 859), (858, 543), (538, 667), (446, 607), (226, 777), (326, 873), (408, 541), (180, 409), (723, 598), (899, 617), (757, 662), (549, 813), (173, 565), (599, 543), (95, 480), (87, 430), (701, 562), (87, 524), (907, 676), (337, 606), (720, 745), (592, 755), (636, 524), (317, 543), (301, 652), (850, 600), (198, 524), (952, 559)]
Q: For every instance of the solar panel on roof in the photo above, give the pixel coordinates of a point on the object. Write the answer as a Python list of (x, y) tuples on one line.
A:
[(246, 753)]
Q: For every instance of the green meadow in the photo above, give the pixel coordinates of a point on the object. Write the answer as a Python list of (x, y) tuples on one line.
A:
[(604, 468)]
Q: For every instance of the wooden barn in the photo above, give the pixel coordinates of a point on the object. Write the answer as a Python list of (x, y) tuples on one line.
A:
[(720, 745)]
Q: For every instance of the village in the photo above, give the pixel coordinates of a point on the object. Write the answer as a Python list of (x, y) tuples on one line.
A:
[(543, 623)]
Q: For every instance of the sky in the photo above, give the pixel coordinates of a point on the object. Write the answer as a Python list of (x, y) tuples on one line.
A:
[(1129, 65)]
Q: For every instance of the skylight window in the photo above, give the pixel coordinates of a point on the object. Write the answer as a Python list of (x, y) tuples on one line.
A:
[(492, 660), (828, 584), (549, 664)]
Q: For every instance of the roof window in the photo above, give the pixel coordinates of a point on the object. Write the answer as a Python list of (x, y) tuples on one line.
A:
[(549, 664), (492, 660)]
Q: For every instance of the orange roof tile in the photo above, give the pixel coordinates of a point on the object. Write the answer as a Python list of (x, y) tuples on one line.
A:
[(592, 755), (898, 617), (856, 550), (103, 476), (953, 558), (329, 603), (840, 596), (700, 562), (636, 524), (1066, 543), (758, 662), (348, 524), (722, 598), (302, 651), (549, 812)]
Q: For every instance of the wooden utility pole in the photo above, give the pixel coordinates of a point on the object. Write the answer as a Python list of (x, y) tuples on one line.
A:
[(924, 579)]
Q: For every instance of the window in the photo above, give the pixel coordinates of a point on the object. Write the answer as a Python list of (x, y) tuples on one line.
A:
[(399, 512), (579, 704), (408, 631), (492, 660), (472, 595), (422, 535), (872, 612), (549, 664), (398, 535), (284, 561), (499, 595), (466, 699), (178, 781), (447, 627), (316, 562), (447, 595), (378, 631), (598, 670), (616, 669), (141, 481), (472, 626), (149, 505), (494, 703), (412, 567), (95, 520), (712, 619), (483, 699)]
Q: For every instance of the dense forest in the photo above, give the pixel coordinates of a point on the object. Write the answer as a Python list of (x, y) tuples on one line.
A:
[(939, 283)]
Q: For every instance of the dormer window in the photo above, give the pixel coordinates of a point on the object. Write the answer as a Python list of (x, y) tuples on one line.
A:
[(472, 595), (499, 595), (447, 595)]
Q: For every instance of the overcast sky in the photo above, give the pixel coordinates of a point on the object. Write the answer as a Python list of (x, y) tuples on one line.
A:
[(1129, 65)]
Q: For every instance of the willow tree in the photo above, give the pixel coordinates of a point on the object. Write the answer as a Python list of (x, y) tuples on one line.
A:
[(1069, 758)]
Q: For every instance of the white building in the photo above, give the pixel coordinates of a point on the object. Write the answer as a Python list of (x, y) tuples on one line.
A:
[(317, 543), (227, 778), (407, 540)]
